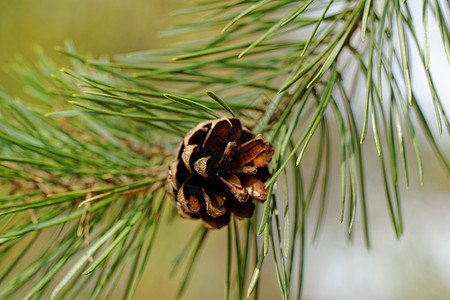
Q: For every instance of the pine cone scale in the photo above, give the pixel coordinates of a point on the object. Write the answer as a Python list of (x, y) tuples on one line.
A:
[(187, 155), (249, 151), (241, 210), (233, 185), (189, 199), (215, 203), (255, 188), (216, 139)]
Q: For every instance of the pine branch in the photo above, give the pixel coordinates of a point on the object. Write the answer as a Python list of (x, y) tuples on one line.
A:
[(87, 163)]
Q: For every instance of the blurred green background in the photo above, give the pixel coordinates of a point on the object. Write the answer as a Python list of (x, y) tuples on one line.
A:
[(96, 26), (416, 267)]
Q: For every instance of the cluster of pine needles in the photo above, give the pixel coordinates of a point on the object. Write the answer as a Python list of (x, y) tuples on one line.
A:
[(83, 166)]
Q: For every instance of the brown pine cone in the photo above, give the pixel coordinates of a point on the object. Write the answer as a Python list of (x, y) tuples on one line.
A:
[(220, 168)]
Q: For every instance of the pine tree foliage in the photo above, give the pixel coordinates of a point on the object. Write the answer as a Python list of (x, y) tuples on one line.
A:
[(84, 165)]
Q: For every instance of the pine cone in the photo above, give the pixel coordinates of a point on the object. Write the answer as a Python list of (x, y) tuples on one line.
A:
[(220, 168)]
